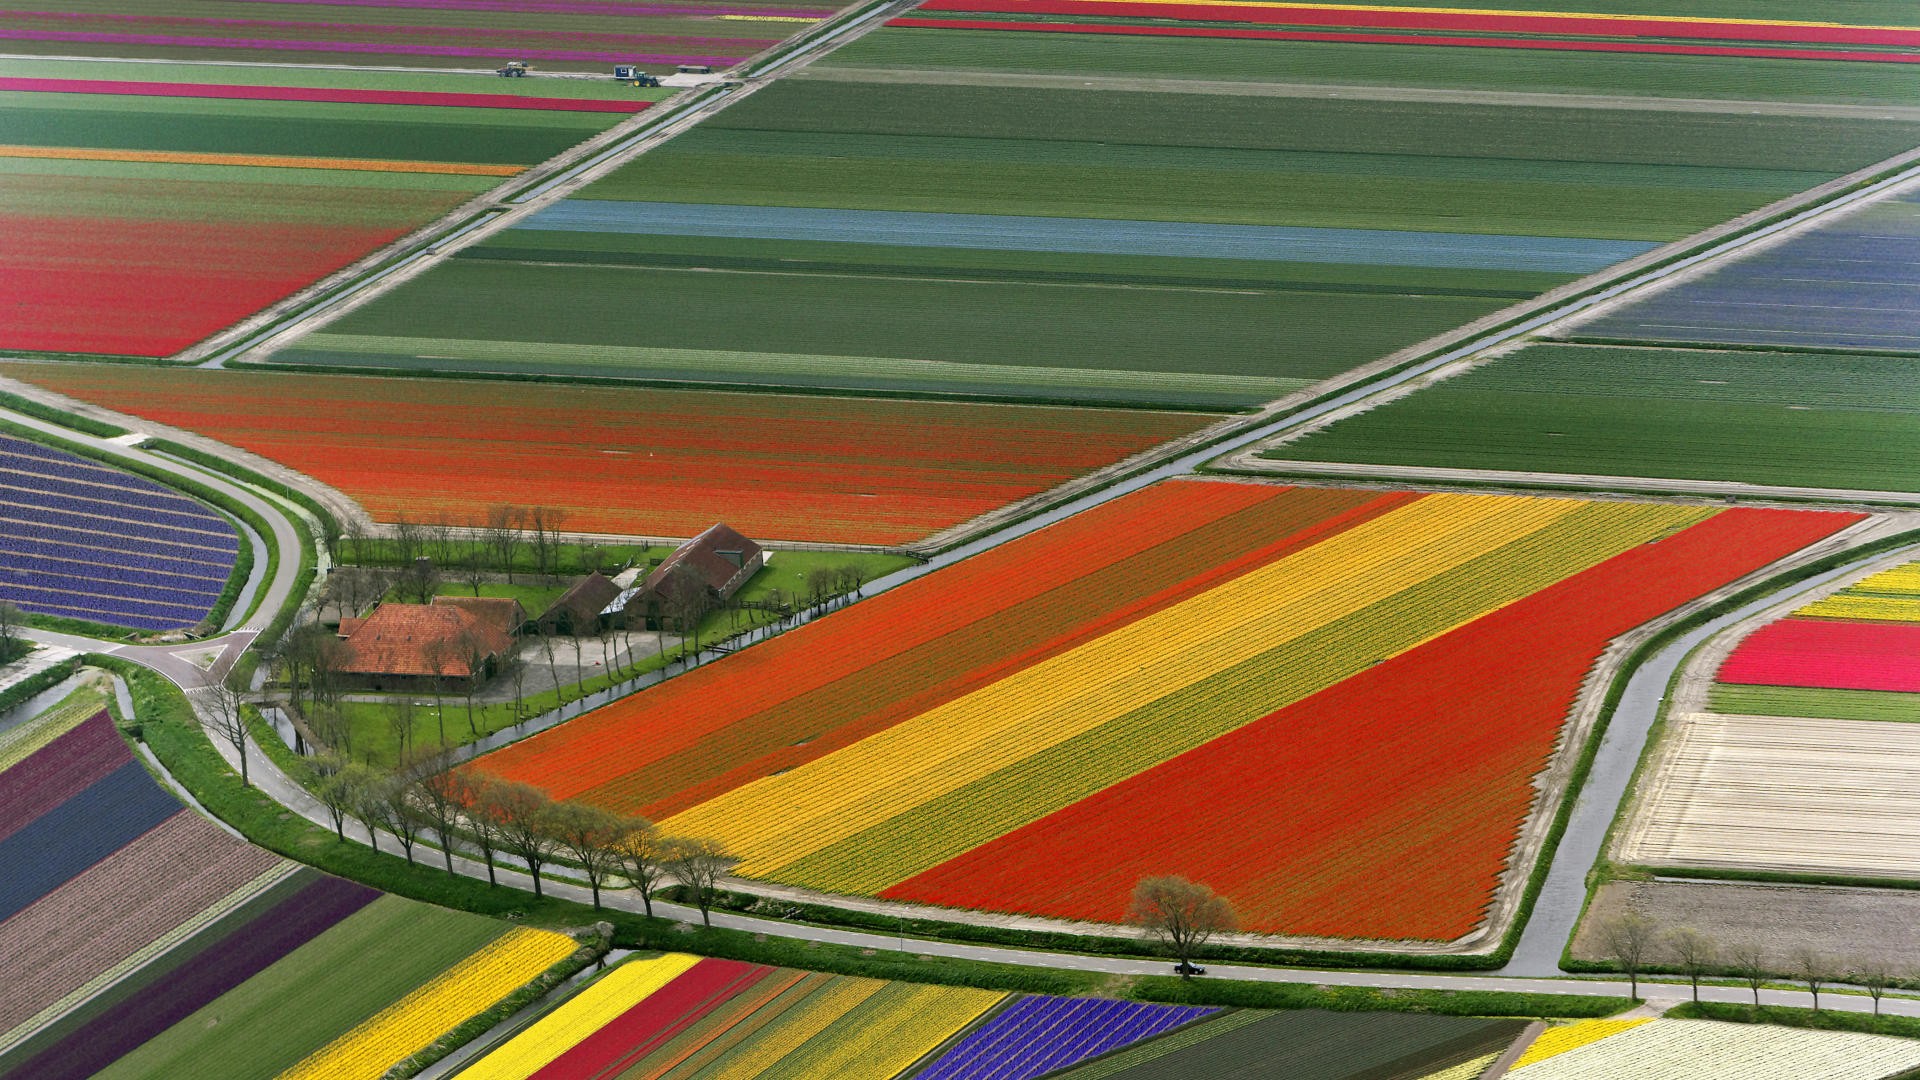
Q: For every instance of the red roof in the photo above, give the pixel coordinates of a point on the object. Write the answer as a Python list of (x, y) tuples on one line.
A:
[(503, 613), (402, 639), (702, 556)]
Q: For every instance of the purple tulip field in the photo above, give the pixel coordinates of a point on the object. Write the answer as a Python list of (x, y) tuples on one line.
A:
[(87, 541), (1037, 1035)]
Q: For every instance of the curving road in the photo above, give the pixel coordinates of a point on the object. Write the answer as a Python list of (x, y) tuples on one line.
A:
[(173, 660)]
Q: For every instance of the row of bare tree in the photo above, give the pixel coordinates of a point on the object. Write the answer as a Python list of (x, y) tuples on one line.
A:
[(494, 539), (492, 817), (1637, 944)]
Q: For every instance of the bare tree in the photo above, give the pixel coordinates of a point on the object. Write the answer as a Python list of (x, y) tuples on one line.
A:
[(553, 667), (594, 837), (332, 783), (227, 717), (353, 541), (361, 789), (473, 571), (1630, 939), (439, 541), (502, 532), (1693, 953), (699, 864), (400, 720), (1750, 963), (484, 819), (420, 580), (526, 826), (1874, 974), (643, 859), (406, 540), (10, 620), (473, 651), (514, 667), (440, 795), (389, 801), (1814, 968), (820, 585), (1182, 915), (543, 523), (439, 653)]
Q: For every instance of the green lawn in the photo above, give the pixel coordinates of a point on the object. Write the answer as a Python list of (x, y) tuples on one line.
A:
[(1525, 70), (535, 598), (375, 738), (314, 994), (1797, 419)]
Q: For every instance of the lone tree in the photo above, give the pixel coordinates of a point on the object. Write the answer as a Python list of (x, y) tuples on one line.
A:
[(594, 838), (643, 854), (1181, 915), (1630, 939), (525, 814), (700, 864), (482, 816), (10, 620), (1750, 963), (1693, 953)]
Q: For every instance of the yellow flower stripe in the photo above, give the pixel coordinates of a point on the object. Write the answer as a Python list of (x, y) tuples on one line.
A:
[(270, 161), (1870, 608), (410, 1025), (796, 1025), (884, 1040), (26, 740), (585, 1013), (1522, 11), (1559, 1040), (778, 820)]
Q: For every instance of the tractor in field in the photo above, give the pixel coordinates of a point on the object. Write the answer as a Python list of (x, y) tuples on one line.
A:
[(514, 69), (628, 73)]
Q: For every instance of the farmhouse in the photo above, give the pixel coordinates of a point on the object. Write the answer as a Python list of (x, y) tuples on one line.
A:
[(707, 570), (403, 646), (577, 611)]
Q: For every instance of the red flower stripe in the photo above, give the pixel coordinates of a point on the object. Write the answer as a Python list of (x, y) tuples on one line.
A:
[(658, 1018), (1384, 807), (990, 650), (152, 288), (713, 702), (1829, 654), (638, 461), (313, 93), (1411, 39), (1475, 22)]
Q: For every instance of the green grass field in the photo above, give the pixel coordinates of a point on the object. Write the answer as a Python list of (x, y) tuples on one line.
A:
[(1795, 419), (1526, 71), (1824, 704), (314, 994)]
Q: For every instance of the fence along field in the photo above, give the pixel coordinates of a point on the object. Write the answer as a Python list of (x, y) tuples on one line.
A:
[(679, 1016), (141, 213), (1177, 658), (83, 540), (578, 35), (1105, 243), (631, 460), (148, 943)]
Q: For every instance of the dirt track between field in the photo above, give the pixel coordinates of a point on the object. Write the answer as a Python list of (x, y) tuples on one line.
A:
[(1360, 92)]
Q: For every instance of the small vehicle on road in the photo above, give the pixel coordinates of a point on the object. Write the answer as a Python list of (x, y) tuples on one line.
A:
[(1188, 970)]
